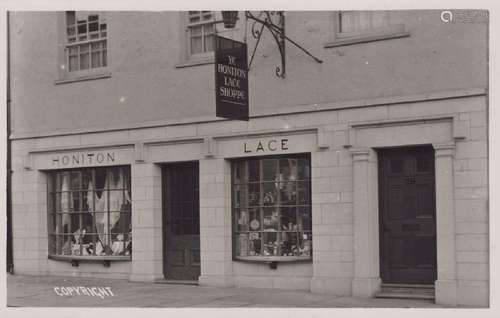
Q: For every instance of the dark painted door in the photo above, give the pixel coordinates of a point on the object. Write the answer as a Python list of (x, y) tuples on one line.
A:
[(181, 221), (407, 215)]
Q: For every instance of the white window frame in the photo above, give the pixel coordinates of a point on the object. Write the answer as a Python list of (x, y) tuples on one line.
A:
[(101, 71), (186, 59), (303, 231), (338, 38), (66, 244), (201, 23)]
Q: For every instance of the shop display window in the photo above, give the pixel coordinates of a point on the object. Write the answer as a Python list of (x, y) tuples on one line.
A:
[(89, 213), (272, 208)]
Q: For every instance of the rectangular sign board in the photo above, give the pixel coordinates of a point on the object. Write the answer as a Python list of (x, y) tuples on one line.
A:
[(231, 79)]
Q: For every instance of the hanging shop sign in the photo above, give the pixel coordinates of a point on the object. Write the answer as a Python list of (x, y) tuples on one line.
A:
[(231, 79)]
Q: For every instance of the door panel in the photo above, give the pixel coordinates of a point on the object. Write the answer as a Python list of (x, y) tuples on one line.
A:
[(407, 215), (181, 225)]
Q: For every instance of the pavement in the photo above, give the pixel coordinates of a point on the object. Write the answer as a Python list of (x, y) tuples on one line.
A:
[(45, 291)]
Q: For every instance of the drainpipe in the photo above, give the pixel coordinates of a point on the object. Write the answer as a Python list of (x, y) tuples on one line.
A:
[(10, 259)]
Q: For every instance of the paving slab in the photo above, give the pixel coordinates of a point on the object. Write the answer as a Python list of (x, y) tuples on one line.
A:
[(48, 291)]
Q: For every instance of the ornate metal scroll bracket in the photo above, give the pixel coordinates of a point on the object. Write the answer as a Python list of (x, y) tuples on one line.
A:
[(274, 22)]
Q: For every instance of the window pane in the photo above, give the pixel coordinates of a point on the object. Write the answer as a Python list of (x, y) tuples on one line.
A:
[(95, 46), (84, 61), (73, 63), (196, 31), (254, 244), (66, 245), (304, 169), (70, 17), (207, 16), (269, 169), (380, 19), (364, 20), (209, 29), (270, 194), (82, 28), (304, 218), (290, 244), (209, 43), (194, 19), (288, 169), (253, 170), (243, 220), (65, 201), (84, 48), (71, 31), (96, 59), (347, 21), (270, 220), (94, 26), (305, 244), (304, 192), (73, 50), (271, 244), (243, 244), (240, 196), (75, 180), (195, 45), (289, 219), (351, 21), (288, 193), (104, 58)]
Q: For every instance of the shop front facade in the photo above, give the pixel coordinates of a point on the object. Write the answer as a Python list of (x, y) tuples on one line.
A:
[(342, 197)]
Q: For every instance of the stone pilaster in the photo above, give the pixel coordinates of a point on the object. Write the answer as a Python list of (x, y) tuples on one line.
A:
[(146, 222), (366, 281), (446, 283), (215, 223)]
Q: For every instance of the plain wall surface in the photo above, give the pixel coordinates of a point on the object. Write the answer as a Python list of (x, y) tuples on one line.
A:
[(146, 86)]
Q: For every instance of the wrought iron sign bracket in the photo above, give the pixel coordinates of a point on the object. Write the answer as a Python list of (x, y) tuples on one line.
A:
[(274, 22)]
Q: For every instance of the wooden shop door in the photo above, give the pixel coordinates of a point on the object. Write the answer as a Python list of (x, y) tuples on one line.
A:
[(181, 221), (407, 217)]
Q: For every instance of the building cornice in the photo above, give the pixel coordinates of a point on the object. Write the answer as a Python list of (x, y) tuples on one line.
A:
[(380, 101)]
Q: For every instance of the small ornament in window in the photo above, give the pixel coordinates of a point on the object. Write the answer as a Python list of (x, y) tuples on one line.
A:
[(269, 198), (243, 220), (254, 224)]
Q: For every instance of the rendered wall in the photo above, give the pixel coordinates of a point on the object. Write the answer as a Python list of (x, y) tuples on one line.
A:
[(145, 85)]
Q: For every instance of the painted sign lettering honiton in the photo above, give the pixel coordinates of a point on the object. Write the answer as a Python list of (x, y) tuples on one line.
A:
[(83, 158)]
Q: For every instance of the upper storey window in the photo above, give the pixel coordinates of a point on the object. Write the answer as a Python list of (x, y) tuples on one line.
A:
[(86, 36), (350, 27), (359, 21), (200, 32)]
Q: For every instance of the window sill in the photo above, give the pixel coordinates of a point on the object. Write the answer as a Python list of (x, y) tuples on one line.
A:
[(342, 41), (195, 62), (273, 258), (90, 258), (82, 78)]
